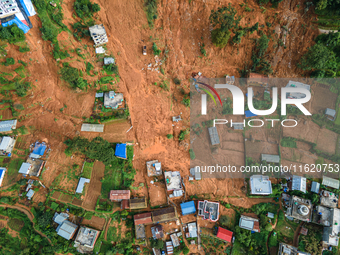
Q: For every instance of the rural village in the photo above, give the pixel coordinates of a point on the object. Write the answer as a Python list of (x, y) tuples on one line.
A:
[(101, 130)]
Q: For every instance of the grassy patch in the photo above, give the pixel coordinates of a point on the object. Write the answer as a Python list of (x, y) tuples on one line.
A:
[(13, 168), (16, 224), (87, 171)]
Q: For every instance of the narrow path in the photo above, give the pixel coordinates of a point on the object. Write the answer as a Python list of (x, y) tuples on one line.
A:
[(297, 234), (274, 225), (29, 215), (106, 229)]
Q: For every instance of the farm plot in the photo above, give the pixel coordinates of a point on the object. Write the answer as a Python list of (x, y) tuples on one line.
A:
[(327, 141), (306, 130), (95, 186), (5, 112), (12, 171), (323, 99), (95, 222)]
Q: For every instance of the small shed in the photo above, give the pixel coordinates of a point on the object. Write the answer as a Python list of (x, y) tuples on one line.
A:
[(270, 215), (315, 187), (331, 113), (299, 183), (81, 184), (214, 138), (188, 208), (109, 60), (25, 168), (92, 128), (121, 151), (30, 194)]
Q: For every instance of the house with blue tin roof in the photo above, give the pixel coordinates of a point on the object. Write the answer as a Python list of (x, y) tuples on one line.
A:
[(2, 174), (188, 208), (121, 150), (249, 114)]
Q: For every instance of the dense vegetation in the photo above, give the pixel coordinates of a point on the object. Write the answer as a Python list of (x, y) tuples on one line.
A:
[(72, 76), (323, 58), (151, 11), (85, 9), (98, 149), (12, 34)]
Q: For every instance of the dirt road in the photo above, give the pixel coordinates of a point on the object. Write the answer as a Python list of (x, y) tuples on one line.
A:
[(29, 215)]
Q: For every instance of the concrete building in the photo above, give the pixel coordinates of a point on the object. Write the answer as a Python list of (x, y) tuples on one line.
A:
[(249, 223), (299, 183), (329, 218), (297, 95), (119, 195), (140, 231), (270, 158), (86, 239), (214, 138), (329, 199), (331, 114), (209, 210), (7, 125), (92, 128), (113, 100), (154, 168), (6, 145), (173, 180), (330, 182), (98, 34), (8, 8), (286, 249), (260, 185), (300, 208), (81, 185)]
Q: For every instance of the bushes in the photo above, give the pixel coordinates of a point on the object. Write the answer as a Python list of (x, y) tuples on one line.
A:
[(21, 88), (220, 38), (12, 34), (151, 11), (71, 75), (106, 79), (177, 81), (111, 69), (183, 134), (288, 142), (8, 62), (186, 101), (169, 136), (85, 9), (192, 154), (156, 51), (24, 49)]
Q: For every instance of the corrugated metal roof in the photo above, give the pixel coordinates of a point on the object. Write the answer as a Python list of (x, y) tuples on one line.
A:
[(192, 229), (92, 128), (109, 60), (59, 218), (333, 183), (8, 125), (224, 234), (81, 184), (270, 158), (119, 194), (100, 94), (299, 183), (67, 229), (25, 167), (214, 138), (315, 187), (2, 174), (5, 142), (188, 208), (330, 112), (30, 194), (143, 218)]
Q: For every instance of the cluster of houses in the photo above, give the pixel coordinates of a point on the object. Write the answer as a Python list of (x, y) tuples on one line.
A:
[(326, 214), (85, 238)]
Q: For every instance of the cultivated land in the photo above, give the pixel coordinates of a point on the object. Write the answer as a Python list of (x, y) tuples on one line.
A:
[(52, 112)]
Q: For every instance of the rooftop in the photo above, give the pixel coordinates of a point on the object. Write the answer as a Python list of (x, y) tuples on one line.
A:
[(286, 249), (81, 184), (36, 166), (30, 194), (173, 180), (113, 100), (120, 151), (330, 112), (260, 185), (299, 183), (322, 215), (330, 182), (192, 229), (188, 208), (39, 148), (140, 231), (2, 174), (142, 218), (6, 145), (209, 210), (157, 232), (60, 217), (195, 172), (270, 158), (164, 215), (25, 168), (67, 229), (300, 208), (224, 234), (174, 239), (214, 138), (249, 223), (92, 127), (7, 125), (329, 199), (109, 60), (315, 187), (154, 168), (117, 195), (138, 203), (296, 95), (87, 237)]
